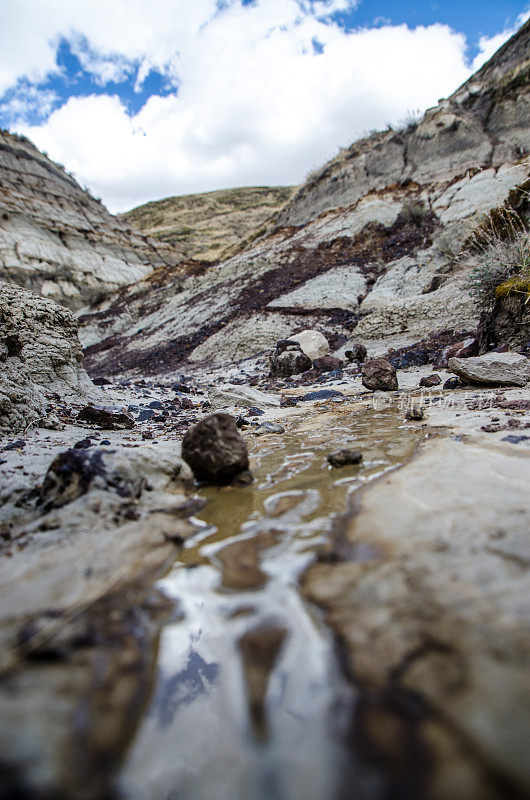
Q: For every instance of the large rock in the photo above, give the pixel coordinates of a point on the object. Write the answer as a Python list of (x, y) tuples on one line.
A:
[(214, 449), (78, 610), (378, 374), (288, 359), (313, 343), (226, 395), (494, 369), (40, 358), (430, 601)]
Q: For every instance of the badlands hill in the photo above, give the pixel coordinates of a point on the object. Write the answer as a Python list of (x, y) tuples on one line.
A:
[(374, 246), (58, 240), (211, 225)]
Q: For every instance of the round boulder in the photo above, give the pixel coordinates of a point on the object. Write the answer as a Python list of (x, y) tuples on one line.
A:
[(313, 343), (214, 449)]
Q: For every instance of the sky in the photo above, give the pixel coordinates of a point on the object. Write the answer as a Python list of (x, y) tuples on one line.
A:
[(144, 99)]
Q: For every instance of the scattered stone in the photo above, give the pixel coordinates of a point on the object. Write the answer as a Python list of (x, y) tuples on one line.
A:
[(287, 402), (414, 413), (453, 383), (17, 445), (498, 369), (214, 449), (379, 374), (356, 352), (241, 422), (313, 343), (268, 427), (83, 444), (145, 414), (255, 412), (186, 403), (464, 349), (321, 394), (341, 458), (430, 380), (327, 364), (288, 359), (106, 418), (181, 387)]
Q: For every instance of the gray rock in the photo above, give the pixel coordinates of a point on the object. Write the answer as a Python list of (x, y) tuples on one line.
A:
[(313, 343), (226, 395), (214, 449), (40, 358), (494, 369)]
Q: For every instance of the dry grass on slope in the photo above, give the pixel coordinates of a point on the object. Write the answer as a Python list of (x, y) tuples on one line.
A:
[(212, 225)]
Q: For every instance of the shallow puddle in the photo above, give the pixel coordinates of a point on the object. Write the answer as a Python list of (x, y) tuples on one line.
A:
[(249, 702)]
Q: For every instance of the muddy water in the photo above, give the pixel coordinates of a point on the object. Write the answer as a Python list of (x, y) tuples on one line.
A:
[(249, 701)]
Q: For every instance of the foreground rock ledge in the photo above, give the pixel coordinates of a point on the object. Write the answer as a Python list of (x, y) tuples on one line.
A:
[(437, 611)]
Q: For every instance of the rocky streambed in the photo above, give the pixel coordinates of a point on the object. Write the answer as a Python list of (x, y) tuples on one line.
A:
[(321, 632)]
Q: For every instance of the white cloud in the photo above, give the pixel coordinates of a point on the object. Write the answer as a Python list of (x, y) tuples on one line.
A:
[(255, 103), (488, 45)]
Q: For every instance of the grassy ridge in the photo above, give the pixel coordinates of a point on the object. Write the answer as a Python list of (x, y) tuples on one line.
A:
[(212, 225)]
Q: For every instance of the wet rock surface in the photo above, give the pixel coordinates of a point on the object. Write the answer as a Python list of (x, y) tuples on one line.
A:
[(214, 449), (378, 374), (341, 458)]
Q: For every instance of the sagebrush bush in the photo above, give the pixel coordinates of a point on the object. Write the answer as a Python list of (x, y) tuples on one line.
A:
[(500, 250)]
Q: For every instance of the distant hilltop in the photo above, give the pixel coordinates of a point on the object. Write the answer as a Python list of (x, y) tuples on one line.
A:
[(212, 225)]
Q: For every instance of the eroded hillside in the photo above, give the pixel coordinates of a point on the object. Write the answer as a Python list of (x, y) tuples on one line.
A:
[(58, 240), (371, 245), (211, 225)]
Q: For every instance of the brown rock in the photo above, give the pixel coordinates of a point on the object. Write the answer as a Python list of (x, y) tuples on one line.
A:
[(106, 418), (341, 458), (214, 449), (327, 364), (379, 374), (288, 359), (430, 380), (356, 352)]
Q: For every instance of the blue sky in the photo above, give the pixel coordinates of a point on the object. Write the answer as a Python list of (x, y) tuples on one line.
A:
[(146, 99)]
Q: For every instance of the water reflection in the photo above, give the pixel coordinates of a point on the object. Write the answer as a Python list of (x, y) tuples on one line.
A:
[(249, 702)]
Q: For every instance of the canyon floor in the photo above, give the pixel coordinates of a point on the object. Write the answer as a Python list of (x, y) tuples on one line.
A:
[(192, 651)]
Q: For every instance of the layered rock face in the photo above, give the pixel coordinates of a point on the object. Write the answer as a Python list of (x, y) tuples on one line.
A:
[(56, 239), (40, 357), (370, 244)]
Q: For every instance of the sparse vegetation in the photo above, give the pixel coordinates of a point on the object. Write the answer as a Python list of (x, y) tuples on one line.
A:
[(213, 225), (500, 249)]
